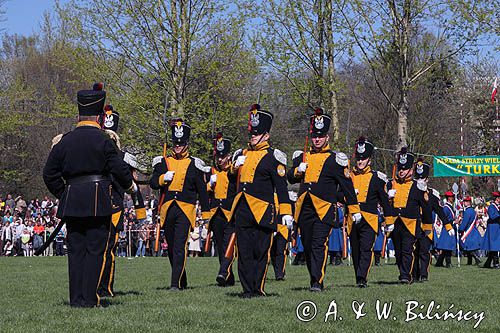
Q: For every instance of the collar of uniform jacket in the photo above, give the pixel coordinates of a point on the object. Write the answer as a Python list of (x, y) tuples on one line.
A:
[(181, 156), (88, 123), (259, 146), (362, 172), (323, 150)]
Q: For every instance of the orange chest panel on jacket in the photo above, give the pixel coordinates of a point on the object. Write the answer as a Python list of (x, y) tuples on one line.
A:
[(180, 167), (402, 193), (315, 163), (222, 185), (361, 183), (253, 159)]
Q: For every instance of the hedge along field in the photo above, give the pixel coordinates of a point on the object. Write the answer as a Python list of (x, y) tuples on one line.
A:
[(34, 296)]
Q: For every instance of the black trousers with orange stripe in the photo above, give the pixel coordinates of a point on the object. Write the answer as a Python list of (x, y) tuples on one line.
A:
[(222, 233), (254, 246), (278, 256), (362, 238), (404, 245), (422, 258), (86, 239), (314, 235), (177, 228), (108, 275)]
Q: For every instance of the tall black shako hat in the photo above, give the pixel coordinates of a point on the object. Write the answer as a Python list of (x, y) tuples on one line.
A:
[(404, 159), (222, 146), (363, 148), (422, 169), (111, 118), (259, 121), (91, 102), (319, 123), (180, 131)]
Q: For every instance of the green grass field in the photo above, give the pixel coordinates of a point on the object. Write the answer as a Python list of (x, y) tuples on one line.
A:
[(34, 293)]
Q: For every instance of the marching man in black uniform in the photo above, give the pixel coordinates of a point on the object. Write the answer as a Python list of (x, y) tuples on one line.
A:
[(370, 187), (180, 179), (110, 127), (408, 202), (261, 173), (426, 235), (222, 189), (320, 171), (79, 172)]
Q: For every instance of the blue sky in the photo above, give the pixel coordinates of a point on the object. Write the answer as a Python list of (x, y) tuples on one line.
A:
[(24, 16)]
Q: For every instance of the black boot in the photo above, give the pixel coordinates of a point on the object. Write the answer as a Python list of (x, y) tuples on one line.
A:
[(489, 259), (469, 258), (338, 260), (440, 259), (495, 261), (476, 258), (377, 258), (448, 262)]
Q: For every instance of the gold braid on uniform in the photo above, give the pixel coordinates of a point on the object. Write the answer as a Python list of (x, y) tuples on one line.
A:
[(114, 136)]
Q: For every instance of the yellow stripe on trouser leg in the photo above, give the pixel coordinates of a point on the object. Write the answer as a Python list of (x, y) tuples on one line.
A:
[(103, 265), (325, 258), (185, 257), (412, 262), (111, 273), (262, 282)]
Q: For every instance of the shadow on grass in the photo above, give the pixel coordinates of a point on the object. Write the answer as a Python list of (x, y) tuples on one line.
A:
[(386, 282), (167, 288), (239, 295), (104, 303), (128, 292)]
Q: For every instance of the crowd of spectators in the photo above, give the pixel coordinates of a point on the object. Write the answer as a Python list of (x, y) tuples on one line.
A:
[(24, 226)]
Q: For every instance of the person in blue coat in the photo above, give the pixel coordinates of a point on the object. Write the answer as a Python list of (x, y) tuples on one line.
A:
[(491, 239), (447, 242), (336, 239), (379, 241), (470, 238)]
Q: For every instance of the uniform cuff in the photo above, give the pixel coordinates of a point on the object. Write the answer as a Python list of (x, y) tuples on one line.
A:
[(427, 227), (161, 180), (297, 174), (209, 188), (285, 209), (206, 215), (353, 209), (390, 220), (448, 227)]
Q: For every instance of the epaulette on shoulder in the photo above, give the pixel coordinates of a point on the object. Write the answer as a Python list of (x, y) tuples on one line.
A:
[(114, 136), (156, 160), (296, 154), (382, 176), (200, 165), (237, 153), (132, 161), (341, 159), (435, 193), (279, 156), (57, 139)]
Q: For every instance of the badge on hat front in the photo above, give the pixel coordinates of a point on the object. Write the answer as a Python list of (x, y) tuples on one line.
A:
[(220, 145), (420, 169), (403, 159), (318, 123), (254, 119), (179, 132), (361, 148), (109, 121)]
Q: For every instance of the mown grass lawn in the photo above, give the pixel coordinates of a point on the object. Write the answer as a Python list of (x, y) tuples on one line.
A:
[(34, 293)]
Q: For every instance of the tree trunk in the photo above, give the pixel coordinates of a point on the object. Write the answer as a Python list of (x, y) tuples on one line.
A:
[(332, 92)]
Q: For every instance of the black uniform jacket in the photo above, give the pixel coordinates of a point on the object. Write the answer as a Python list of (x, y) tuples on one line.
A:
[(222, 194), (262, 175), (435, 206), (74, 165), (410, 204), (370, 187), (187, 186), (326, 173)]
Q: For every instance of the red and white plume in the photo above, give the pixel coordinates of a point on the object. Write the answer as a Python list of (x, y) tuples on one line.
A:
[(494, 91)]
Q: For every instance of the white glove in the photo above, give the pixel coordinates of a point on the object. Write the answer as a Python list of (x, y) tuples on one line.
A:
[(133, 188), (302, 167), (240, 161), (357, 217), (213, 180), (389, 228), (168, 176), (288, 221), (356, 191), (451, 232), (391, 193)]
